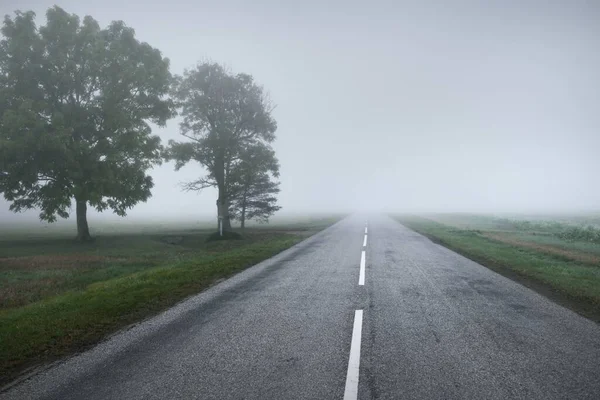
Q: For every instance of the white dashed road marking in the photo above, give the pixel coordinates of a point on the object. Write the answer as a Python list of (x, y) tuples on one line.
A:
[(361, 276), (351, 392)]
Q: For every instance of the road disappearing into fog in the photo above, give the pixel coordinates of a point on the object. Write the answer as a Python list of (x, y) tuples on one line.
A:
[(362, 310)]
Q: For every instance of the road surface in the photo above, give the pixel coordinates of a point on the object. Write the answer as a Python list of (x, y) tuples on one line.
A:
[(406, 319)]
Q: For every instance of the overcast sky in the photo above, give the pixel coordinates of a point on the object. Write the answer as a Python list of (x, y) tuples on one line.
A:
[(424, 105)]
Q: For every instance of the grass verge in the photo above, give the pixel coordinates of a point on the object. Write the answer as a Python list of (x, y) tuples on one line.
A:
[(570, 282), (114, 293)]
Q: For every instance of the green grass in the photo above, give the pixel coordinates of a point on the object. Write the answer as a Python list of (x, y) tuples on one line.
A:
[(59, 296), (551, 271)]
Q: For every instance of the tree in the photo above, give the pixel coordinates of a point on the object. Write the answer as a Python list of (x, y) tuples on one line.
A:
[(75, 102), (223, 114), (252, 190)]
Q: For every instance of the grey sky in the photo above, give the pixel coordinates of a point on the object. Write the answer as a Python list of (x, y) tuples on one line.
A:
[(449, 105)]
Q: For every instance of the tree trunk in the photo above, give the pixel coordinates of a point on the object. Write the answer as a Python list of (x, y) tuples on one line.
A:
[(243, 217), (223, 211), (226, 218), (222, 201), (83, 231)]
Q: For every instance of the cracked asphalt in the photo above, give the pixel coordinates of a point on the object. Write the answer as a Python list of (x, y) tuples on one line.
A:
[(435, 326)]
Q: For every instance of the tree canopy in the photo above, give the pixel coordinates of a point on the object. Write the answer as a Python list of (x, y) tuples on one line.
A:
[(75, 105), (252, 188), (223, 116)]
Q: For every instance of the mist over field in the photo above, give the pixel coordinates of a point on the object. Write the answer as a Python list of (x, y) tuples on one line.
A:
[(472, 106), (428, 170)]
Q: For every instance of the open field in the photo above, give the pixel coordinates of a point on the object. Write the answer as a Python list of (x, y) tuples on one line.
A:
[(558, 259), (58, 296)]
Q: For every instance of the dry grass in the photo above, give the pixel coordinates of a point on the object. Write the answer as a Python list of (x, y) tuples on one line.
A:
[(546, 249), (26, 292), (29, 279), (57, 261)]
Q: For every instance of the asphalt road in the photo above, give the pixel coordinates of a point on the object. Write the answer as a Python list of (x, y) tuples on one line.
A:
[(434, 326)]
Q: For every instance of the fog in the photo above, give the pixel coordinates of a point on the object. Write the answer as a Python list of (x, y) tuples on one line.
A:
[(393, 106)]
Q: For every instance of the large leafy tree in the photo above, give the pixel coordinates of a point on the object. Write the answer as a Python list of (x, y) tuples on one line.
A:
[(75, 105), (223, 114), (252, 186)]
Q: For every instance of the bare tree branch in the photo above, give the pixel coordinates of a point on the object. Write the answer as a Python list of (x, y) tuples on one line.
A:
[(197, 185)]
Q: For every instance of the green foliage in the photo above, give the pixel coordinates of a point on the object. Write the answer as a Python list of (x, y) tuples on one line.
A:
[(567, 232), (251, 187), (581, 234), (223, 116), (75, 105)]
